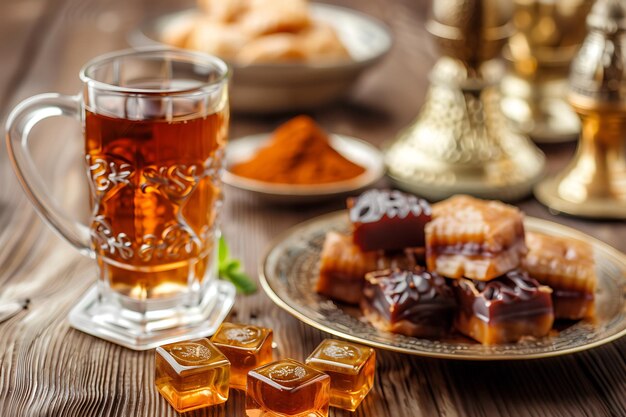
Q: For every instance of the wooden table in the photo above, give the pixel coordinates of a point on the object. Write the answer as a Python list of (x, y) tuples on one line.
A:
[(49, 369)]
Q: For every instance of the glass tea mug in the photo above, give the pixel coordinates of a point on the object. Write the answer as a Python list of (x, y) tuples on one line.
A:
[(155, 125)]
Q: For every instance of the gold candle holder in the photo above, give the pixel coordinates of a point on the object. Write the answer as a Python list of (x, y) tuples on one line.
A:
[(548, 35), (594, 183), (461, 141)]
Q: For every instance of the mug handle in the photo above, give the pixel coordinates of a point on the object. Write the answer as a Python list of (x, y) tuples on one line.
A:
[(18, 127)]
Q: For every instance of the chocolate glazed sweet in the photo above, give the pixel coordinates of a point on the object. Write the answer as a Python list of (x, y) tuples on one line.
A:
[(388, 220), (415, 296), (372, 205), (515, 294), (514, 285)]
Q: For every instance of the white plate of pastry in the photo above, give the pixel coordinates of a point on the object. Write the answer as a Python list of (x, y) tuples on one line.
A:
[(286, 55)]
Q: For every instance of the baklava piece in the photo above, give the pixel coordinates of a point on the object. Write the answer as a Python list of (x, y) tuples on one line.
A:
[(277, 47), (215, 38), (567, 266), (410, 302), (321, 42), (503, 310), (474, 238), (269, 17), (388, 220), (343, 267)]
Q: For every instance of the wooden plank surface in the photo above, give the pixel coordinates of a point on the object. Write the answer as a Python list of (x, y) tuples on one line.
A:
[(49, 369)]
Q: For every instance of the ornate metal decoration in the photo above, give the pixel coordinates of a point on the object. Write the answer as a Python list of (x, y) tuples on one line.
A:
[(594, 183), (548, 35), (461, 141)]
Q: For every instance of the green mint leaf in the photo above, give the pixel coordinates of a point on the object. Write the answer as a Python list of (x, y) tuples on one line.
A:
[(222, 251), (229, 269), (242, 282), (232, 265)]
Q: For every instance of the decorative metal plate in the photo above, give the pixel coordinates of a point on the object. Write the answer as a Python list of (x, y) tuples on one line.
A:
[(290, 269)]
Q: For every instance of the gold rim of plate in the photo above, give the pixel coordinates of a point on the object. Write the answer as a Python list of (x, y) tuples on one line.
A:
[(290, 268)]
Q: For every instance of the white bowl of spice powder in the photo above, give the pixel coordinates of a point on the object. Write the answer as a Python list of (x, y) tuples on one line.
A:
[(300, 163)]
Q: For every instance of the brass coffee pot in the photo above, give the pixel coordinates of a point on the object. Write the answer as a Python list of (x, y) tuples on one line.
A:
[(547, 36), (461, 142), (594, 183)]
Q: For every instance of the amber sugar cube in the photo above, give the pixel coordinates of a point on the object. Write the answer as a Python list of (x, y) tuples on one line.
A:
[(192, 374), (350, 367), (246, 347), (287, 388)]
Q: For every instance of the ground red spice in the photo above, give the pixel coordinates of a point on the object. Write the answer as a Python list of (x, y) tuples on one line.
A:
[(299, 152)]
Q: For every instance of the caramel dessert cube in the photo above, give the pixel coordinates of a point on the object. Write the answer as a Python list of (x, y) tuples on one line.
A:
[(410, 302), (503, 310), (474, 238), (388, 220), (343, 267), (287, 388), (567, 266), (192, 374), (246, 347), (350, 367)]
